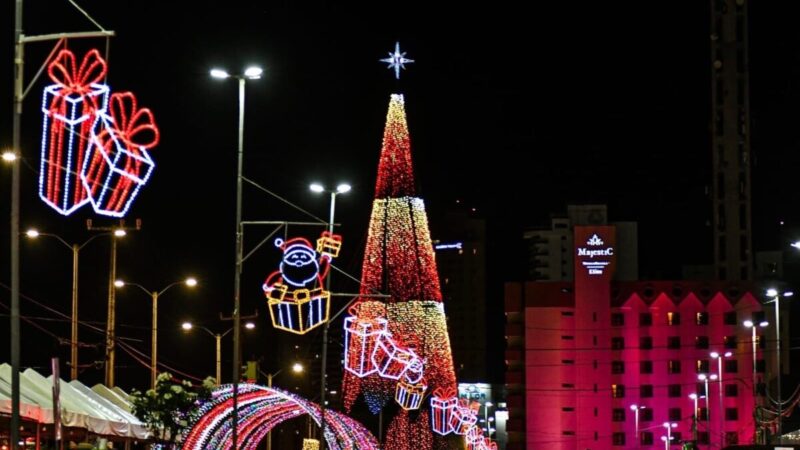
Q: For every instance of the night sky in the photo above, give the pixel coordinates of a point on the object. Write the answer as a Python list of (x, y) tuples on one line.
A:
[(515, 110)]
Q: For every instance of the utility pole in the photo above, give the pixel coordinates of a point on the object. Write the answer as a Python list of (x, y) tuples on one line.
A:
[(116, 232), (234, 318)]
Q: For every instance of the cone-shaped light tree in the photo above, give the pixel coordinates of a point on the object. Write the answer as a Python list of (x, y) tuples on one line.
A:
[(399, 261)]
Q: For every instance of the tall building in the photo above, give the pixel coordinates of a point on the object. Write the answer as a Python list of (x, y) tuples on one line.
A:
[(581, 354), (550, 249), (730, 139), (460, 248)]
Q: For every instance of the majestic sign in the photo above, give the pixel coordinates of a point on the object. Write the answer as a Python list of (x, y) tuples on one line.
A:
[(596, 256)]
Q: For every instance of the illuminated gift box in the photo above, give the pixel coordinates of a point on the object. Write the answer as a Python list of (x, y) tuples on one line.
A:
[(300, 311), (391, 360), (443, 402), (463, 416), (117, 163), (360, 340), (408, 395), (310, 444), (329, 244), (70, 108), (474, 438)]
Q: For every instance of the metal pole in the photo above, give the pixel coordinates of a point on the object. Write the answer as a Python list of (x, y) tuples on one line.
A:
[(323, 382), (219, 358), (755, 389), (636, 425), (238, 272), (14, 234), (721, 403), (112, 306), (778, 356), (73, 354), (269, 433), (154, 338), (694, 421)]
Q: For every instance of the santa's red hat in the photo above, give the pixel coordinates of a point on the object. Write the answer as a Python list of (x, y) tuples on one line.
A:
[(295, 245)]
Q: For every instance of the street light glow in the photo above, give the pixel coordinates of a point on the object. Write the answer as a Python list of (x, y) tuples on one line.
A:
[(316, 187), (749, 324), (186, 326), (253, 73), (763, 324), (250, 325), (9, 156), (219, 74), (788, 294), (714, 355), (297, 367), (191, 282), (119, 283), (343, 188), (693, 396), (33, 233), (728, 354), (119, 232), (772, 292)]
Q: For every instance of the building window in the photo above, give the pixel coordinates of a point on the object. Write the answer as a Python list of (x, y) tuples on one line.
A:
[(568, 433), (761, 366), (568, 362), (731, 413), (645, 319), (731, 366), (568, 409), (567, 385), (674, 342), (646, 415), (618, 415), (617, 319), (673, 318), (617, 343), (701, 342), (674, 390), (567, 313), (617, 367), (567, 338), (646, 391), (701, 366), (731, 438), (730, 342), (675, 414), (702, 413), (645, 366), (618, 390), (731, 390), (674, 366), (677, 437), (730, 318), (645, 343), (702, 318), (594, 341), (702, 437), (618, 439), (647, 438)]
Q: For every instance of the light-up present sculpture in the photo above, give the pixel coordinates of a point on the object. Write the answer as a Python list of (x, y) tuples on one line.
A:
[(464, 416), (443, 404), (391, 359), (409, 395), (117, 163), (360, 340), (70, 108)]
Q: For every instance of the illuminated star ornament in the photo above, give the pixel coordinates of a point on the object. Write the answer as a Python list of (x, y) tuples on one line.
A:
[(397, 60)]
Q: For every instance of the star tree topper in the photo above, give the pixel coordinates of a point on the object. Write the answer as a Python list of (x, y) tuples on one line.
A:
[(397, 60)]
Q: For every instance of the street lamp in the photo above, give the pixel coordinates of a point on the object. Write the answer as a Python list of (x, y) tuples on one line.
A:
[(251, 73), (9, 156), (694, 416), (635, 409), (297, 369), (75, 248), (342, 188), (752, 325), (718, 356), (777, 300), (188, 326), (190, 282), (668, 439), (704, 378)]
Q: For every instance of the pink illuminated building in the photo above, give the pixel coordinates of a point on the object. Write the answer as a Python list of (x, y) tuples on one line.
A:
[(582, 354)]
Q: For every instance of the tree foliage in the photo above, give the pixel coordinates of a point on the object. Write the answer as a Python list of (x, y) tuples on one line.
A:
[(168, 409)]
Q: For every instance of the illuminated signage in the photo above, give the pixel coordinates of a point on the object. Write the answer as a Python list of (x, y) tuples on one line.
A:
[(596, 255)]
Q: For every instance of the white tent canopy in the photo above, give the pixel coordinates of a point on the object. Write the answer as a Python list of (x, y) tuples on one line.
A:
[(99, 410)]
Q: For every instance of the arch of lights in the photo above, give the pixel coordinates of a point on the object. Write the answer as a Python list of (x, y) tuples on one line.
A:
[(259, 410)]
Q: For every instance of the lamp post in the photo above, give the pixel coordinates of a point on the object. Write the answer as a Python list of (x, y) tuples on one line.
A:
[(340, 189), (718, 356), (694, 397), (635, 409), (752, 325), (704, 378), (190, 282), (251, 73), (188, 326), (297, 368), (668, 441), (486, 407), (75, 248), (777, 300)]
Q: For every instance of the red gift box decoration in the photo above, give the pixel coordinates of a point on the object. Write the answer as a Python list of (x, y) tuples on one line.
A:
[(409, 395), (391, 359), (70, 108), (443, 403), (360, 340), (118, 164), (463, 416)]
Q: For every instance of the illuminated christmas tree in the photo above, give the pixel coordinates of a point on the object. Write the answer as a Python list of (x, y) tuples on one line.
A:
[(399, 261)]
